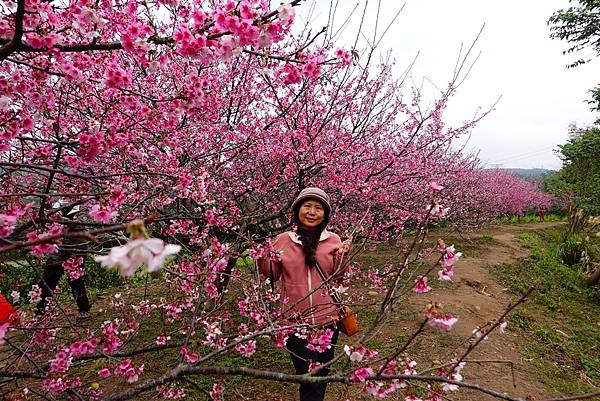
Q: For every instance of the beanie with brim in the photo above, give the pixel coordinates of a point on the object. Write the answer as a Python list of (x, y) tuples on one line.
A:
[(316, 194)]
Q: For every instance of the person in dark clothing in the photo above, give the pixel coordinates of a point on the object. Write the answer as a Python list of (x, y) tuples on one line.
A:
[(54, 269), (302, 358)]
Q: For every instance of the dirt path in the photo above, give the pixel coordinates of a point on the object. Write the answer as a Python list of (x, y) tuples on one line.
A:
[(476, 298)]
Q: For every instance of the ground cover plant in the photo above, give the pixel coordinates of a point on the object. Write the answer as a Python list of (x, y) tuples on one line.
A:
[(563, 349), (168, 140)]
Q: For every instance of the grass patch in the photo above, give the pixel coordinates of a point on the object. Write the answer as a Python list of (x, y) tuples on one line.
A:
[(528, 218), (560, 321)]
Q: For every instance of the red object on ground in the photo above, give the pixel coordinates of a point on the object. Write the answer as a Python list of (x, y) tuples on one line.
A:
[(8, 314)]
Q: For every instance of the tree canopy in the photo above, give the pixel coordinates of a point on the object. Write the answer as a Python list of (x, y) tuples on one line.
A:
[(579, 26), (580, 174)]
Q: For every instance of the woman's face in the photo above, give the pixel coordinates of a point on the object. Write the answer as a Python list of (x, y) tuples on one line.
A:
[(311, 213)]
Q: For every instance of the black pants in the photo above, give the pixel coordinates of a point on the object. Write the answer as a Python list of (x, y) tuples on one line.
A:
[(302, 357), (51, 277)]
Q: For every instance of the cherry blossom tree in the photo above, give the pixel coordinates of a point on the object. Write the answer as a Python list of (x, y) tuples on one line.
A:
[(175, 129)]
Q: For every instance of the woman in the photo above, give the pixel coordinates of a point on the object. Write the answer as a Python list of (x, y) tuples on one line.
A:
[(302, 253)]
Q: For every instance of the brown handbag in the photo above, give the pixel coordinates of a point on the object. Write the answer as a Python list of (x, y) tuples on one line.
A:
[(347, 321)]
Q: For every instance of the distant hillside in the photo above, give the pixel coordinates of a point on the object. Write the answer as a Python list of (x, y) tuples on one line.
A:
[(529, 172)]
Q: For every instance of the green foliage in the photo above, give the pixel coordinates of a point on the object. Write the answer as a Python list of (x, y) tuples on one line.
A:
[(560, 320), (580, 173), (528, 218), (579, 26), (572, 249)]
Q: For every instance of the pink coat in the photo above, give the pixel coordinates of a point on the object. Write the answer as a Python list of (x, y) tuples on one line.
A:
[(298, 281)]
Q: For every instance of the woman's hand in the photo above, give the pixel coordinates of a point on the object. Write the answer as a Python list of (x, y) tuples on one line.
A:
[(345, 248)]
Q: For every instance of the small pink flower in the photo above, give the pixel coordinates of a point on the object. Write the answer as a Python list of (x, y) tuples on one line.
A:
[(344, 55), (435, 186), (450, 256), (193, 357), (446, 274), (35, 295), (101, 214), (216, 392), (246, 349), (151, 252), (286, 14), (313, 366), (421, 285), (3, 331), (444, 323), (104, 372), (61, 362), (359, 375)]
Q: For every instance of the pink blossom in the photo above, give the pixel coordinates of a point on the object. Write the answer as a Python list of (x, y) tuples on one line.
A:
[(162, 340), (360, 374), (436, 210), (450, 256), (246, 349), (217, 392), (358, 354), (444, 323), (446, 274), (435, 186), (321, 341), (42, 249), (7, 224), (344, 55), (61, 362), (151, 252), (55, 385), (290, 74), (3, 331), (193, 357), (71, 265), (312, 68), (104, 373), (15, 295), (35, 295), (115, 77), (479, 332), (421, 285), (84, 347), (129, 371), (102, 214), (286, 14), (313, 366), (379, 389)]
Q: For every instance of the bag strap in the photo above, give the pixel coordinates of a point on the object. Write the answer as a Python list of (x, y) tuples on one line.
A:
[(336, 297), (272, 284)]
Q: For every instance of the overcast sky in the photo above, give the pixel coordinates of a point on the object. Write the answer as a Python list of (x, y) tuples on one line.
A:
[(518, 61)]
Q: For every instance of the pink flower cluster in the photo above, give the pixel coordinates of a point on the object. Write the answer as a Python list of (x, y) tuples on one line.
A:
[(246, 349), (72, 266), (449, 258), (320, 341), (128, 370), (61, 362)]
